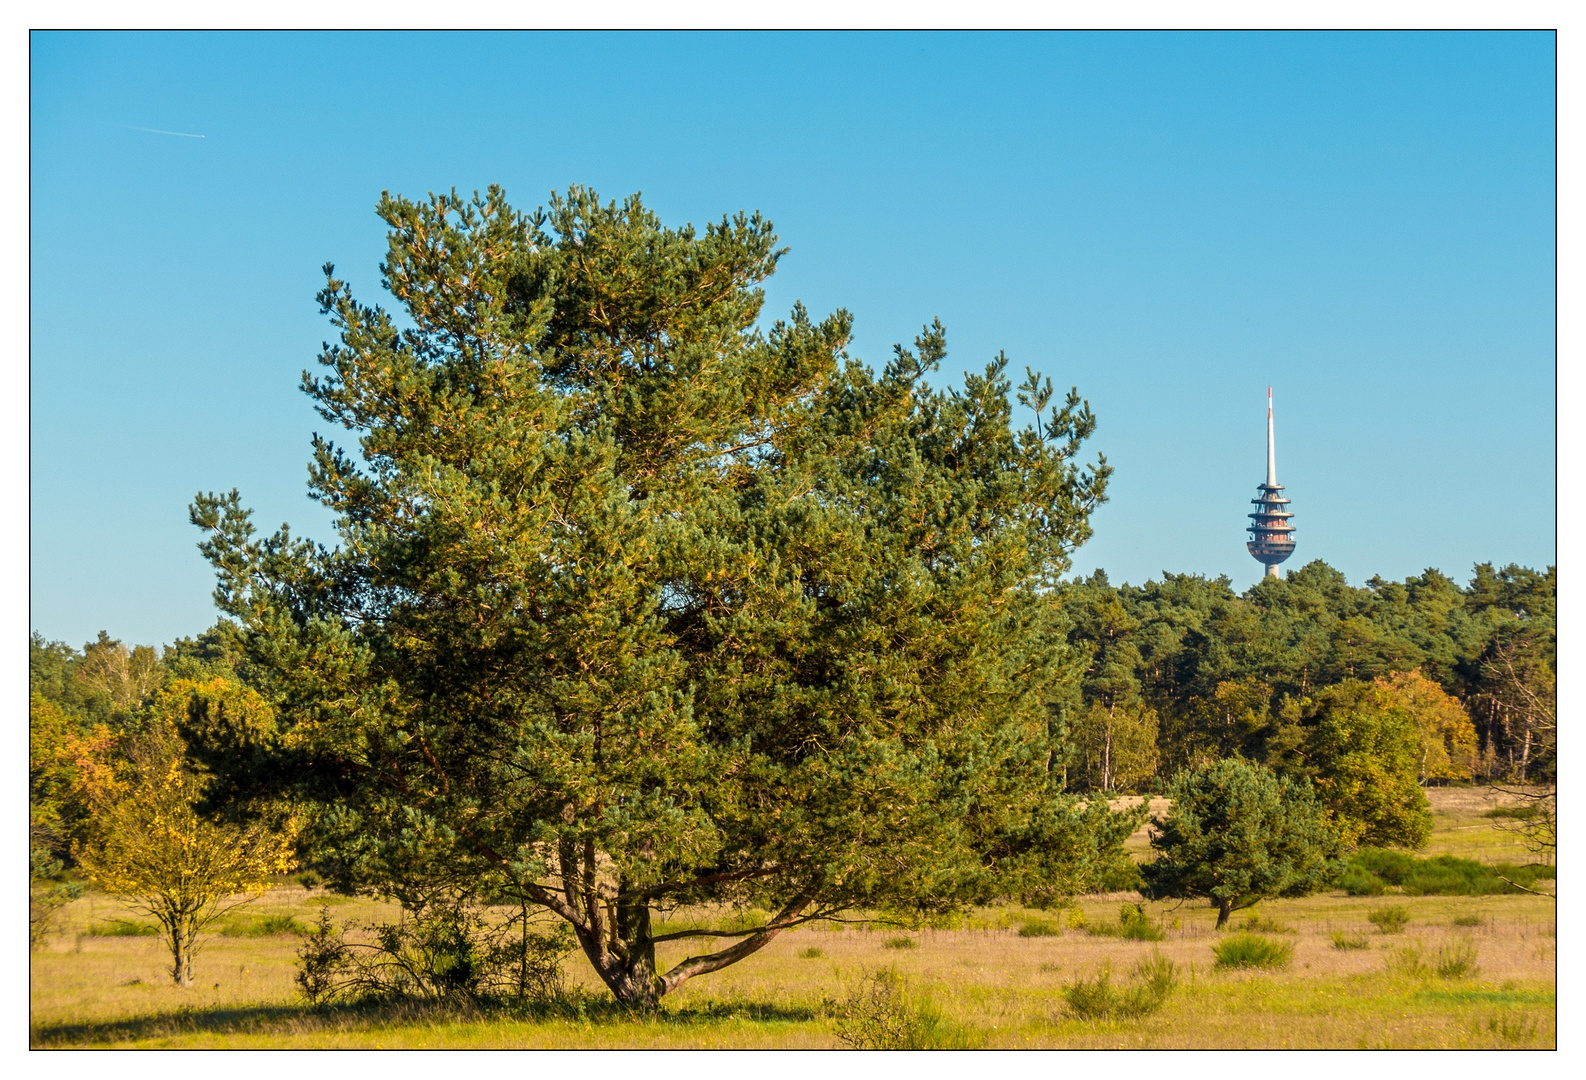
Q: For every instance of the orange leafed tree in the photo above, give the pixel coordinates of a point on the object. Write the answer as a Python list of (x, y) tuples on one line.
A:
[(1447, 736)]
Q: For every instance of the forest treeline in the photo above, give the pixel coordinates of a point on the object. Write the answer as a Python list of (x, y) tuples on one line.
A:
[(1184, 671)]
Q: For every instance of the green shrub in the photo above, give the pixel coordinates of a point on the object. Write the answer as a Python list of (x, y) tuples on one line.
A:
[(1357, 881), (122, 928), (881, 1014), (1153, 981), (1470, 920), (900, 943), (309, 879), (811, 953), (1251, 951), (1040, 928), (1265, 924), (1389, 920), (1371, 870), (1342, 940), (1519, 813), (1133, 925), (1456, 960)]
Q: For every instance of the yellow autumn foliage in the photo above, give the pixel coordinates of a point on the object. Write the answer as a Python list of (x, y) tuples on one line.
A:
[(147, 843)]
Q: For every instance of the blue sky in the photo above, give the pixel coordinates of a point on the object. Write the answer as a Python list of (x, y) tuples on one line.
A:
[(1171, 222)]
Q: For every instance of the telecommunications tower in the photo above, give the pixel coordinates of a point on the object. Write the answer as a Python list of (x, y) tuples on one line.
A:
[(1271, 535)]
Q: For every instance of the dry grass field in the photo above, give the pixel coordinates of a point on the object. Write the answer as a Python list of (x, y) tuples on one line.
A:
[(991, 985)]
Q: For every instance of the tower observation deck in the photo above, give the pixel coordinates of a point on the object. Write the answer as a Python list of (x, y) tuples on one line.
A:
[(1271, 536)]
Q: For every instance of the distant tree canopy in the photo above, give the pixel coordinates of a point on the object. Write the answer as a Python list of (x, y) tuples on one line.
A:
[(1229, 674)]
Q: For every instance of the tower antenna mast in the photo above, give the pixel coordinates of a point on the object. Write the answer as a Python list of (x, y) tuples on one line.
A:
[(1271, 535)]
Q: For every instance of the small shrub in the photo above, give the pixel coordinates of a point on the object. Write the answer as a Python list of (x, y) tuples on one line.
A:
[(1250, 951), (309, 879), (1265, 925), (122, 928), (1407, 961), (1040, 928), (1342, 940), (1470, 920), (881, 1014), (1075, 919), (1390, 920), (1456, 960), (1511, 1029), (900, 943), (1357, 881), (1133, 925), (440, 951), (811, 953), (1518, 813), (1152, 982)]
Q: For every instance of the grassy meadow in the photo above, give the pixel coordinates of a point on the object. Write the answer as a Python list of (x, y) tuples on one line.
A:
[(1462, 972)]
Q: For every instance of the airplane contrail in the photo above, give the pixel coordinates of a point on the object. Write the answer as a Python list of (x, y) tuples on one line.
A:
[(159, 131)]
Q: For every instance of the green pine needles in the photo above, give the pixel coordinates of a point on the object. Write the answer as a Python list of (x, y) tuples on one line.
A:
[(635, 605)]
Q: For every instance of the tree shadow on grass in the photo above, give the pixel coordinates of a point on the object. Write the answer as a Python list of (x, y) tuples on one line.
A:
[(304, 1019)]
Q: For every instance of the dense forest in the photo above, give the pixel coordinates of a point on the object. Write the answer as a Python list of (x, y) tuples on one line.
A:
[(1182, 671), (1166, 675)]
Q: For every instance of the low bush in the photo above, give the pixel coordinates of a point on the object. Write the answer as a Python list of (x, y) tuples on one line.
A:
[(1389, 920), (881, 1014), (1040, 928), (1133, 925), (440, 952), (1342, 940), (900, 943), (1470, 920), (1265, 924), (811, 953), (1518, 813), (1152, 982), (1251, 951), (1456, 960), (1373, 870), (122, 928)]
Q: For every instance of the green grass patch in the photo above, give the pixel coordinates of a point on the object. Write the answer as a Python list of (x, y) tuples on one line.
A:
[(811, 953), (1518, 813), (1251, 951), (1373, 870), (1342, 940), (121, 928), (1472, 996), (1470, 920), (264, 926), (1040, 928), (900, 943)]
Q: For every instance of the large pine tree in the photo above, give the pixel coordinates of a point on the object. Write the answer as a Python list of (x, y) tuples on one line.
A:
[(637, 606)]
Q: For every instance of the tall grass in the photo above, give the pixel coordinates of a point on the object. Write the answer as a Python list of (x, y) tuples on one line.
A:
[(1390, 920), (1373, 870), (882, 1014), (1152, 982)]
